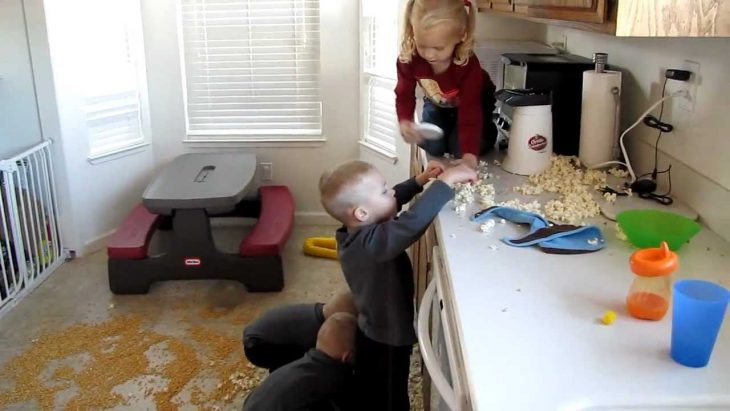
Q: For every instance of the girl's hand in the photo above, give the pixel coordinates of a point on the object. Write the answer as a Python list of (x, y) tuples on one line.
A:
[(409, 133), (458, 174), (469, 159), (433, 170)]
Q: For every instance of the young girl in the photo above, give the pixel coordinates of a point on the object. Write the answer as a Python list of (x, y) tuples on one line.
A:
[(436, 52)]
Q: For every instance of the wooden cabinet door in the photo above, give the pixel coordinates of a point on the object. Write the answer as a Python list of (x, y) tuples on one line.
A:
[(667, 18), (589, 11), (498, 5)]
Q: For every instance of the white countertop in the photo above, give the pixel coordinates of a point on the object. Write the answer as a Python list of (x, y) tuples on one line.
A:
[(529, 327)]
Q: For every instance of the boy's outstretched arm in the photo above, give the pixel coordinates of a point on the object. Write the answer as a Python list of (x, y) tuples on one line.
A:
[(405, 191), (386, 240)]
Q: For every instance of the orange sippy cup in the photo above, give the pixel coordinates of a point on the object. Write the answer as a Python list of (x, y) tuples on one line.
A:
[(651, 289)]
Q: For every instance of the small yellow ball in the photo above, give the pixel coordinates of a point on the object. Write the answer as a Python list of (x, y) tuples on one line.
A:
[(609, 317)]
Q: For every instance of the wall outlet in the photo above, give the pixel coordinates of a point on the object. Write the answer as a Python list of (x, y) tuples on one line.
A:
[(266, 171), (688, 101)]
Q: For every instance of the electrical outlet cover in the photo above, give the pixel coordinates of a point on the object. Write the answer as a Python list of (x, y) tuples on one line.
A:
[(688, 103), (266, 171)]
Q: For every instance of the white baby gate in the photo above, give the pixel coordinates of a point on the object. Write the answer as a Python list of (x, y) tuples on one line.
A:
[(30, 244)]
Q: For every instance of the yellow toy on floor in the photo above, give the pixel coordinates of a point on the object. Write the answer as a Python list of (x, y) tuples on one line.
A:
[(325, 247)]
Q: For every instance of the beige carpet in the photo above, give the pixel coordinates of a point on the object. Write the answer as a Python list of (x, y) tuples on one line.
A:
[(72, 344)]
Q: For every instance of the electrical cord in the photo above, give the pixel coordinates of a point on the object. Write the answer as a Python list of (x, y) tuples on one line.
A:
[(627, 164), (653, 122), (661, 198), (656, 123)]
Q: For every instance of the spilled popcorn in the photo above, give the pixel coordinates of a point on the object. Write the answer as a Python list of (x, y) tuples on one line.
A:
[(532, 207), (565, 178), (608, 317), (483, 170), (620, 233), (617, 172), (574, 186), (487, 226), (464, 195), (467, 193), (484, 193)]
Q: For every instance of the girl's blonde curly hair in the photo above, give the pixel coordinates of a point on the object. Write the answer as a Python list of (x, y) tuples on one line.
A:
[(460, 13)]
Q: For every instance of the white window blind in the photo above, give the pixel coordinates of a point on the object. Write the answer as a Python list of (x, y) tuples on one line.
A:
[(381, 126), (110, 69), (379, 55), (251, 68)]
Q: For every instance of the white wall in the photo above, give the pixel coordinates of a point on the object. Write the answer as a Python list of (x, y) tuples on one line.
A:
[(700, 144), (93, 197), (19, 124), (296, 165)]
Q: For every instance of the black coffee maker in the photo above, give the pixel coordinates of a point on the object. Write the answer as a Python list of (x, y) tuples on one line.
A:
[(563, 75)]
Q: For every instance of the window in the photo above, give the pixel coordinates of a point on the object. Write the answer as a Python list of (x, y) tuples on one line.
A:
[(251, 69), (379, 55), (111, 69)]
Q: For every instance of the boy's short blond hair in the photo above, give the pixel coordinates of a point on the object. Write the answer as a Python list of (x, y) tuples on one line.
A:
[(338, 187), (336, 336)]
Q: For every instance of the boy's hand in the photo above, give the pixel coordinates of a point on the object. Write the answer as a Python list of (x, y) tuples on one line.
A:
[(409, 133), (458, 174), (433, 170), (470, 160)]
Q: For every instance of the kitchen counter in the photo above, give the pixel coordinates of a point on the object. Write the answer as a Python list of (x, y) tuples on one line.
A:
[(528, 323)]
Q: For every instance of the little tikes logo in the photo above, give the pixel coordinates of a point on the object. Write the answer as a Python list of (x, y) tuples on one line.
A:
[(192, 262), (537, 142)]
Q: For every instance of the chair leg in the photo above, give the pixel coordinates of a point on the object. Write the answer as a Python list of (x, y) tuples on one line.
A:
[(267, 277), (123, 280)]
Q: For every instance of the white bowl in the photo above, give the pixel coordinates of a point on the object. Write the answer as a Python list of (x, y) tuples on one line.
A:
[(429, 131)]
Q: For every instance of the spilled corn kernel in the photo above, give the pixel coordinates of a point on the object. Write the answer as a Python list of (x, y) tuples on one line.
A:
[(608, 317)]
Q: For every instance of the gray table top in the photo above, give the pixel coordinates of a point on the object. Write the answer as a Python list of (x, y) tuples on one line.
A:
[(215, 182)]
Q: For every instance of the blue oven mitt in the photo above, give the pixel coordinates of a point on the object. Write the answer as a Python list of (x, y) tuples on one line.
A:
[(552, 239)]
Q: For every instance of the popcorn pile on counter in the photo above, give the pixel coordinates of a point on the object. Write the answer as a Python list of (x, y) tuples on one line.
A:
[(564, 177), (574, 185)]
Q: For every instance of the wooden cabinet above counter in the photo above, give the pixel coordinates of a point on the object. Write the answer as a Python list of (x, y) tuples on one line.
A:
[(625, 18)]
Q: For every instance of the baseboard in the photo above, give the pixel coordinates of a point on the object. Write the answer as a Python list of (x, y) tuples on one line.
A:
[(95, 244), (314, 218)]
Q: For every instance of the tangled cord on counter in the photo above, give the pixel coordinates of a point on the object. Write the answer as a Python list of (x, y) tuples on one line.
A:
[(646, 188)]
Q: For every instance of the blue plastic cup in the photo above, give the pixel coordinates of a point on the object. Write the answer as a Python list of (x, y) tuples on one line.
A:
[(698, 310)]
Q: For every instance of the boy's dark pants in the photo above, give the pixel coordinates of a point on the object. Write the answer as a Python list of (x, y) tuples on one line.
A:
[(381, 375), (257, 337)]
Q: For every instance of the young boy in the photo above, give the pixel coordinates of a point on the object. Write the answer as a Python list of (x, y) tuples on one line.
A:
[(284, 334), (372, 246), (318, 379)]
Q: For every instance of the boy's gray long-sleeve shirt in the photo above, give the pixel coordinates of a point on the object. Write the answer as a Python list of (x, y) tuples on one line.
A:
[(378, 270)]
